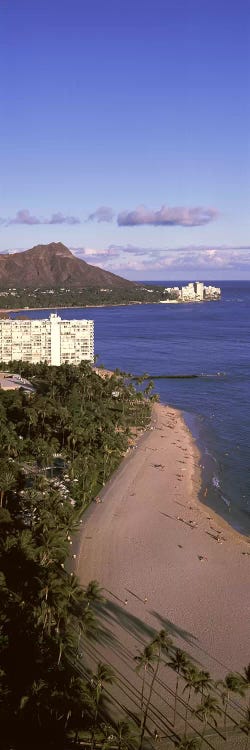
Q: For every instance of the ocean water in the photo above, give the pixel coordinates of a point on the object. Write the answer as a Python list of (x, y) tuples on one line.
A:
[(211, 340)]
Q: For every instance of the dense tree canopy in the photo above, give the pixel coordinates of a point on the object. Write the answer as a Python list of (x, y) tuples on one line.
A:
[(59, 445), (91, 297)]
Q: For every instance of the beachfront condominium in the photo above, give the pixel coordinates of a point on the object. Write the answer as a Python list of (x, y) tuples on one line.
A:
[(192, 292), (50, 340)]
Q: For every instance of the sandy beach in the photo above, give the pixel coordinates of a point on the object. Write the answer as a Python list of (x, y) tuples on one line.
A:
[(165, 561)]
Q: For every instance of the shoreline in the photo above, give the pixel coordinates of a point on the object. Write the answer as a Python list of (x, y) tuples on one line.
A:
[(153, 547), (206, 507), (75, 307), (114, 304)]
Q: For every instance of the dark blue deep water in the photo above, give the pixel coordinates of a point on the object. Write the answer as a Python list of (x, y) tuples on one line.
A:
[(204, 339)]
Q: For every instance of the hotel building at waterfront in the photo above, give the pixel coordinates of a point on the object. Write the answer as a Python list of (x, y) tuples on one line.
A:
[(50, 340), (195, 291)]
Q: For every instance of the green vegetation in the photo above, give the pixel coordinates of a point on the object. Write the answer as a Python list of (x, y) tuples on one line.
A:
[(197, 720), (59, 446), (91, 297)]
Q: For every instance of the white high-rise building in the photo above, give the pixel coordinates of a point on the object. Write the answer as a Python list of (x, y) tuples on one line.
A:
[(188, 293), (199, 290), (193, 292), (51, 340)]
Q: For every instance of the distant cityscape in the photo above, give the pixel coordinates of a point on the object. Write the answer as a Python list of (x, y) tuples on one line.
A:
[(58, 341), (195, 291)]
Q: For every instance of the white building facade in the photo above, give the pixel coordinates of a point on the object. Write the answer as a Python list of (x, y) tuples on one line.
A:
[(51, 340), (195, 291)]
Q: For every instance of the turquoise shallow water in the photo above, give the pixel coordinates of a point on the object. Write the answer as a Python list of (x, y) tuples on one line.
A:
[(203, 339)]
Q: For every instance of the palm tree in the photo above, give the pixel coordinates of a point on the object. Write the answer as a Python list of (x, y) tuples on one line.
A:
[(34, 700), (109, 455), (154, 398), (124, 734), (103, 676), (208, 710), (245, 726), (73, 591), (179, 663), (145, 661), (71, 439), (43, 452), (93, 593), (183, 743), (234, 683), (191, 676), (9, 441), (77, 704), (32, 418), (53, 547), (7, 482), (44, 411), (247, 677), (204, 682), (149, 388), (161, 643), (87, 625), (64, 638)]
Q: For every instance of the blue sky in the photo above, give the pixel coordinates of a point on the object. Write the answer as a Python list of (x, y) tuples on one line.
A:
[(125, 133)]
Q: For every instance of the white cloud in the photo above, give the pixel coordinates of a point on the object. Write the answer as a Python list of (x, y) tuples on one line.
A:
[(167, 216), (135, 258), (87, 253), (119, 258), (25, 217), (103, 213)]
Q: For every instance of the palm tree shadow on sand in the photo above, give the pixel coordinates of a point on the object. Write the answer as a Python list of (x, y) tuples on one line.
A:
[(118, 615), (121, 636), (113, 616), (192, 640), (115, 620)]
